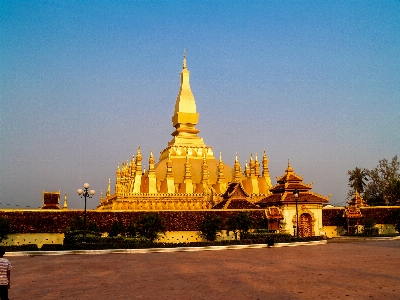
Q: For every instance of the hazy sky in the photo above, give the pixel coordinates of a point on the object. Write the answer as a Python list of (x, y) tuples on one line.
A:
[(84, 83)]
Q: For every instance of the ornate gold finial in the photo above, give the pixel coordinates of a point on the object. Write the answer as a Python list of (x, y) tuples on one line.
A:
[(289, 168), (184, 58), (236, 159), (220, 156), (65, 202), (151, 160)]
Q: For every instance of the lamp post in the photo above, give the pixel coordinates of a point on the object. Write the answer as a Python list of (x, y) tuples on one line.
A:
[(296, 195), (85, 193)]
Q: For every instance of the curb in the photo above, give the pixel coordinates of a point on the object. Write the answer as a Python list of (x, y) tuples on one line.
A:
[(163, 250)]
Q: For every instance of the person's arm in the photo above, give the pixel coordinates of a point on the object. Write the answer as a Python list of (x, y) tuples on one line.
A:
[(9, 276)]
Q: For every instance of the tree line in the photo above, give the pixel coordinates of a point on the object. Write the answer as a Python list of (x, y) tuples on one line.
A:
[(378, 186)]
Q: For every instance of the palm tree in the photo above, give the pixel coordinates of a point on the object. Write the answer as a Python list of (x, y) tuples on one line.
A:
[(357, 179)]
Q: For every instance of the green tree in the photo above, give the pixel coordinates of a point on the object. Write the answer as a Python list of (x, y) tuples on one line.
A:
[(392, 192), (92, 227), (4, 228), (379, 190), (394, 219), (76, 223), (117, 227), (151, 226), (369, 227), (239, 223), (357, 180), (131, 230), (210, 226)]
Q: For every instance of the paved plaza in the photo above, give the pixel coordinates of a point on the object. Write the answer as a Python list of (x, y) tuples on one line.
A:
[(351, 270)]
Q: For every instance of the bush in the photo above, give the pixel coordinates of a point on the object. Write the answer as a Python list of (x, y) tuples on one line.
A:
[(269, 238), (394, 218), (131, 230), (210, 226), (102, 243), (117, 228), (25, 247), (76, 237), (4, 228), (52, 247), (239, 223), (151, 225), (369, 227)]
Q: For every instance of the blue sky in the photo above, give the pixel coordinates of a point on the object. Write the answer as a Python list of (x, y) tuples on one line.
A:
[(84, 83)]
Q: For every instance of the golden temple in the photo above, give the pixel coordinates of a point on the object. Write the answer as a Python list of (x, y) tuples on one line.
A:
[(187, 175)]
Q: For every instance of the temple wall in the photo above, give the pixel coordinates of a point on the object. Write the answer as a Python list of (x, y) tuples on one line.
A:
[(333, 219), (332, 231), (57, 238), (55, 221), (190, 236), (33, 238)]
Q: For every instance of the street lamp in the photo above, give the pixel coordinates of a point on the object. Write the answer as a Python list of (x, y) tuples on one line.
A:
[(296, 195), (85, 193)]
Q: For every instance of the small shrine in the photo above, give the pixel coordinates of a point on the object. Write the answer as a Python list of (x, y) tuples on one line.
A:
[(308, 205), (353, 213), (274, 216)]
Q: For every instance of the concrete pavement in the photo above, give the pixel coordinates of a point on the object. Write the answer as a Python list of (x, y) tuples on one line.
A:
[(367, 270)]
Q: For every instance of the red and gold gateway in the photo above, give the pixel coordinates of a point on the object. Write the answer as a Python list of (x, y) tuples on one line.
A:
[(308, 204)]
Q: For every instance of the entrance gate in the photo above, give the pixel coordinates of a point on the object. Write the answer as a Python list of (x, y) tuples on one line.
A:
[(305, 225)]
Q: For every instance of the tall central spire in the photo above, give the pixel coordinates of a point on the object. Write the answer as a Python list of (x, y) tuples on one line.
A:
[(185, 115)]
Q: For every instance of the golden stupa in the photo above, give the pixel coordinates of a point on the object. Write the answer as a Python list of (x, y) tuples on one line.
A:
[(187, 175)]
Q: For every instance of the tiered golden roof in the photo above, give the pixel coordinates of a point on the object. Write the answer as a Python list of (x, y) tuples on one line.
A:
[(282, 192)]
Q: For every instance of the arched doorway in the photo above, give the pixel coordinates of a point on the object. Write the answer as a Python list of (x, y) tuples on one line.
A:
[(305, 225)]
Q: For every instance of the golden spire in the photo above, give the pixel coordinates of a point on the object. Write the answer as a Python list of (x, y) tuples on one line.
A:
[(108, 188), (132, 164), (257, 166), (118, 180), (138, 155), (184, 58), (246, 170), (138, 162), (265, 171), (65, 202), (185, 115), (236, 168), (151, 162), (252, 166), (221, 175), (289, 168)]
